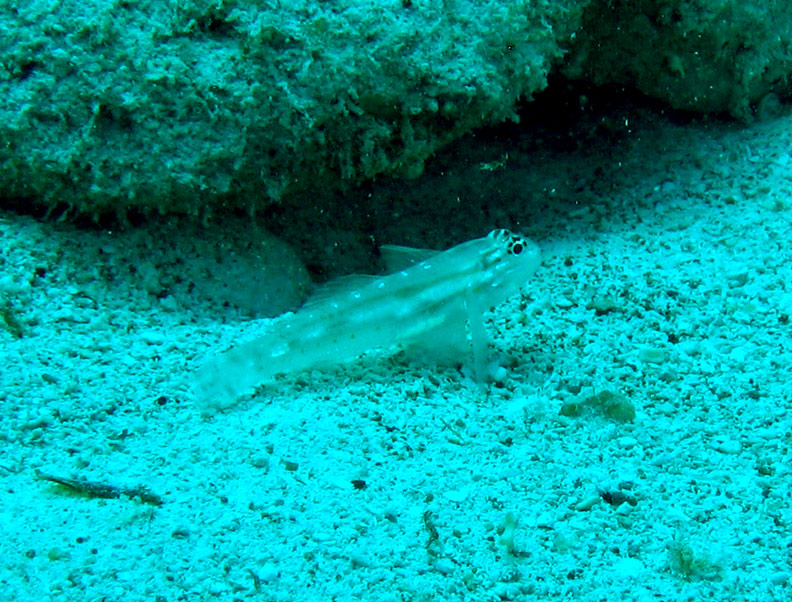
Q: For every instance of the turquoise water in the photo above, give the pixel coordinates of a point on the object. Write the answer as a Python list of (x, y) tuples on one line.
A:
[(176, 176)]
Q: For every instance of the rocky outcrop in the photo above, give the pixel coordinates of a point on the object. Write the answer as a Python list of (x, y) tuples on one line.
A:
[(202, 105)]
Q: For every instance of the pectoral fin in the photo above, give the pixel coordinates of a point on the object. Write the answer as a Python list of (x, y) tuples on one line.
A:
[(478, 336), (443, 342)]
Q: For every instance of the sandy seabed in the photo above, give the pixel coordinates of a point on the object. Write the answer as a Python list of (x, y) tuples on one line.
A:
[(666, 286)]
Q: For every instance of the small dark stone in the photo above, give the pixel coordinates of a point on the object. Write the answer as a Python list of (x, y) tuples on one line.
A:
[(617, 498), (575, 574)]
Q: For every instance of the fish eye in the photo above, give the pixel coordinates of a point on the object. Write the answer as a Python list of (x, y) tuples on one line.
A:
[(517, 248)]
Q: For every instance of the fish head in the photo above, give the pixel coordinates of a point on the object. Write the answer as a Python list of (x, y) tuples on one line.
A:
[(509, 261)]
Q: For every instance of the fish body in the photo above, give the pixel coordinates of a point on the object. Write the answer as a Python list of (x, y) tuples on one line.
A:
[(435, 305)]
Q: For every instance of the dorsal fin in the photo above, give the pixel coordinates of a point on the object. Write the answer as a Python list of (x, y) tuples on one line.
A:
[(399, 258), (339, 286)]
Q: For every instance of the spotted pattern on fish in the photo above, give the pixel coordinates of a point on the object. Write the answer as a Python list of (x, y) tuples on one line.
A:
[(435, 305)]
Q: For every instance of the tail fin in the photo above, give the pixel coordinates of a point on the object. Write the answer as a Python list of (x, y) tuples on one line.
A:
[(226, 377)]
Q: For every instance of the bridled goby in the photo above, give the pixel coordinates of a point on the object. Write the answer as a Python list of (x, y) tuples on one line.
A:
[(433, 303)]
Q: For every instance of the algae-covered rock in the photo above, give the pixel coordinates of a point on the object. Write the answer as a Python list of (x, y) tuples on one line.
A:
[(198, 105), (699, 55), (202, 106), (608, 404)]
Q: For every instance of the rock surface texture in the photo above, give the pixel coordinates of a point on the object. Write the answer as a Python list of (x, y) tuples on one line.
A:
[(203, 106), (700, 55), (197, 105)]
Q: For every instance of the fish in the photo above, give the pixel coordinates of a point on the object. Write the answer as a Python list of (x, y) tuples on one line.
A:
[(431, 303)]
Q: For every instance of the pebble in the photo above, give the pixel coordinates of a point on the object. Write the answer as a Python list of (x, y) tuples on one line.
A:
[(666, 408), (629, 567), (456, 495), (738, 354), (268, 573), (445, 566), (729, 446), (691, 348), (564, 303), (37, 421), (779, 578), (588, 503), (651, 355), (169, 303), (624, 509), (152, 337)]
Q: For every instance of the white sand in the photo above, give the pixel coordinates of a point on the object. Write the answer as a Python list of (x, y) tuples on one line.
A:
[(684, 244)]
